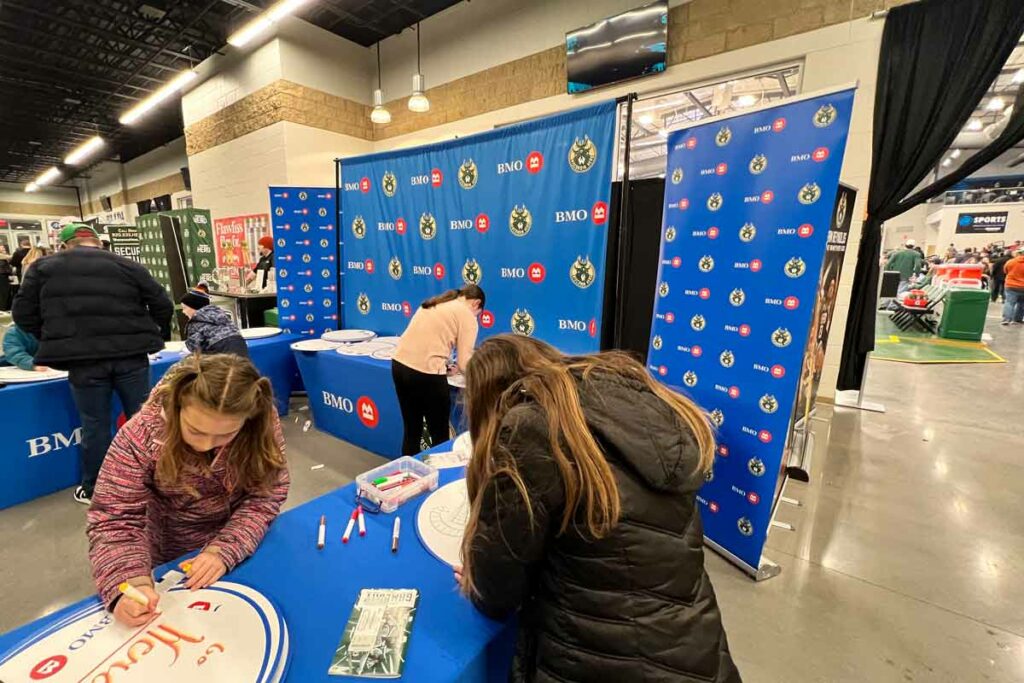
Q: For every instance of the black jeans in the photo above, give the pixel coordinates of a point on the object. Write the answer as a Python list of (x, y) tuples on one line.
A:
[(421, 396), (92, 385), (998, 287)]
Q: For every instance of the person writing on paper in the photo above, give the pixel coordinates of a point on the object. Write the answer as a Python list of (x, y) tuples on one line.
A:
[(210, 328), (20, 350), (583, 516), (201, 467), (419, 367)]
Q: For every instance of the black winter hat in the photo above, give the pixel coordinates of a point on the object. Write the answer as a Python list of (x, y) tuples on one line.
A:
[(195, 299)]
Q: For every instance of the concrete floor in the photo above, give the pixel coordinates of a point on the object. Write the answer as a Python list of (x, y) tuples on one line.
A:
[(905, 565)]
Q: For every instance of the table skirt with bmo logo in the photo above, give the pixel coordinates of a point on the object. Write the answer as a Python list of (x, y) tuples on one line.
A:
[(42, 431)]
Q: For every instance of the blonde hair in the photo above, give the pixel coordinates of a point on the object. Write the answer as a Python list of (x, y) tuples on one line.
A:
[(33, 255), (507, 371), (231, 385)]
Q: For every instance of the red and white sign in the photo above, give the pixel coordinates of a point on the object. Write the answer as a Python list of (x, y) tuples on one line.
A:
[(366, 411), (232, 238), (599, 213)]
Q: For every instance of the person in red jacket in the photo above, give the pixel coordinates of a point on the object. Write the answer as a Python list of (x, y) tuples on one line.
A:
[(1013, 309), (200, 467)]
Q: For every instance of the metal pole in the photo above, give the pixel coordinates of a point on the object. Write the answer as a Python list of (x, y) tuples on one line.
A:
[(624, 194), (339, 232)]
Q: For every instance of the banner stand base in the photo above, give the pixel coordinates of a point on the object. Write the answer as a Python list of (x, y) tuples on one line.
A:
[(766, 570), (859, 403)]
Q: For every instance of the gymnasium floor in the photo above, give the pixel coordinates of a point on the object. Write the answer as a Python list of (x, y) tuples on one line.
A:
[(905, 564)]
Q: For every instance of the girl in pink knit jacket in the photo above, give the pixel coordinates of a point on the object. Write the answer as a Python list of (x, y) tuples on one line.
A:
[(201, 466)]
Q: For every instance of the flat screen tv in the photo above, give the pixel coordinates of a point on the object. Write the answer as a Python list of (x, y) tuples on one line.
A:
[(628, 45)]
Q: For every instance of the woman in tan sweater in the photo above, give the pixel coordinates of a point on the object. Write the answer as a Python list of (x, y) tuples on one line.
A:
[(419, 367)]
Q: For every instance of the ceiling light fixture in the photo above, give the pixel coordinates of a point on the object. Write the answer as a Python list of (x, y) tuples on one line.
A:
[(956, 153), (274, 14), (996, 104), (1019, 76), (47, 177), (151, 102), (746, 100), (418, 102), (379, 114), (31, 187), (974, 124), (947, 161), (645, 119), (83, 151)]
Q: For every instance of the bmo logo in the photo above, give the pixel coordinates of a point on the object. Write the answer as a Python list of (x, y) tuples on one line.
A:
[(401, 226), (391, 307), (579, 326), (369, 266), (486, 319), (406, 309), (483, 223), (599, 213), (536, 273), (41, 445), (436, 177), (351, 187), (356, 265), (342, 403), (364, 185), (534, 162), (366, 411), (439, 271), (419, 180), (510, 167), (571, 216), (48, 667)]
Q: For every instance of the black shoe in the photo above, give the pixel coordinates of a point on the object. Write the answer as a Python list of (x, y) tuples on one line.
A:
[(82, 497)]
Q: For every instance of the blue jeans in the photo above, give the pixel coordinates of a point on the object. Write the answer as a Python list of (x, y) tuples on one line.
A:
[(1013, 309), (92, 386)]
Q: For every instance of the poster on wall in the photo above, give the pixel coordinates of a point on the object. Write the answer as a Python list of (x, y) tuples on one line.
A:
[(748, 205), (306, 258), (232, 239), (126, 240), (981, 223), (522, 211)]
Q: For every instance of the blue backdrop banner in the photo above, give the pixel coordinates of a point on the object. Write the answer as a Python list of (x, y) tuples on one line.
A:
[(306, 258), (748, 203), (522, 211)]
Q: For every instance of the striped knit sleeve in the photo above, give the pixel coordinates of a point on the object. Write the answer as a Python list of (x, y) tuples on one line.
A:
[(116, 521), (249, 523)]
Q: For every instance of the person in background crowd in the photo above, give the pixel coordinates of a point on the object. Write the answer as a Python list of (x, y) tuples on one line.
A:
[(1013, 309), (201, 466), (419, 367), (950, 252), (95, 315), (966, 256), (33, 255), (583, 516), (265, 264), (997, 277), (907, 261), (6, 273), (20, 349), (210, 328), (24, 246)]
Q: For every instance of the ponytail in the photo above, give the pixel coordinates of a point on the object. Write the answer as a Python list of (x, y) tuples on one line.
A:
[(471, 292)]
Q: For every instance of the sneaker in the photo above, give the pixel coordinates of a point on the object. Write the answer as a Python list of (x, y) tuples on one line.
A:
[(1005, 322), (82, 497)]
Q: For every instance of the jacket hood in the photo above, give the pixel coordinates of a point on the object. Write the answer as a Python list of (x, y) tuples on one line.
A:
[(643, 430), (212, 315)]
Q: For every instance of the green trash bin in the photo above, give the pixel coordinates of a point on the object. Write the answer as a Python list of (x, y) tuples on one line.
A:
[(963, 315), (270, 318)]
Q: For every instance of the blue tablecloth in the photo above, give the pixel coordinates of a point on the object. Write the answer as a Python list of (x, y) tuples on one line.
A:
[(315, 591), (39, 438), (353, 398)]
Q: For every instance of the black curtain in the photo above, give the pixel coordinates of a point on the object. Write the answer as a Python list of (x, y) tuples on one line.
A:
[(938, 57)]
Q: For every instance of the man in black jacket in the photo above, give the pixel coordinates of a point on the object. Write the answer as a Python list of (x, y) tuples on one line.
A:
[(95, 315)]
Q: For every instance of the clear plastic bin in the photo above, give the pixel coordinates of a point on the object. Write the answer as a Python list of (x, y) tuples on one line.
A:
[(392, 499)]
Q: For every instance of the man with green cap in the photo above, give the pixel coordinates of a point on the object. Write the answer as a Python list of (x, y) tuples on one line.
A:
[(96, 315)]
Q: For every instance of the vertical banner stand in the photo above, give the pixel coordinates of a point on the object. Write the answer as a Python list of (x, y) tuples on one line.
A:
[(859, 403)]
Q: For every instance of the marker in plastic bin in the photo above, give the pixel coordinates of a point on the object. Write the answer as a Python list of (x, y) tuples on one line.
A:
[(397, 483), (348, 527)]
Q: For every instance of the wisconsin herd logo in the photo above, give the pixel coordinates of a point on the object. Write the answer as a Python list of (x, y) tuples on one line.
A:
[(781, 337), (395, 268), (717, 417), (768, 404), (472, 273), (841, 210), (756, 467), (582, 154), (809, 193), (677, 175), (304, 227), (468, 175), (322, 212), (690, 378), (389, 183), (727, 358), (795, 267), (279, 211), (303, 196), (825, 116), (709, 476), (715, 201), (428, 226), (663, 289), (523, 323), (723, 136), (758, 164), (520, 220), (323, 243), (745, 526), (359, 227), (706, 264), (698, 323), (363, 303), (737, 297), (670, 234), (582, 273), (656, 342), (748, 232), (281, 243)]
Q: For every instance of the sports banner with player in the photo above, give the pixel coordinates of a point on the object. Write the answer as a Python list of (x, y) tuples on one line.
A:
[(748, 204), (521, 211), (306, 258)]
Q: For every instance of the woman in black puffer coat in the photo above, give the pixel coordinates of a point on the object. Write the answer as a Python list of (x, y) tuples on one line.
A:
[(582, 488)]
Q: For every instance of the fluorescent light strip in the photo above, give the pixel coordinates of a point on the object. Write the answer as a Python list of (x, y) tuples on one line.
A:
[(83, 151), (278, 11), (47, 177), (31, 187), (151, 102)]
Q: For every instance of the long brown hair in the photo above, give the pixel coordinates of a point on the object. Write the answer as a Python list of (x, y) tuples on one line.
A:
[(231, 385), (471, 292), (507, 371)]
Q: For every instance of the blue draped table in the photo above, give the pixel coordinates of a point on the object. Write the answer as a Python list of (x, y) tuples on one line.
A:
[(315, 590), (39, 438)]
